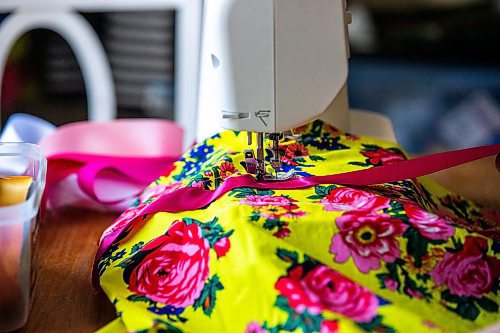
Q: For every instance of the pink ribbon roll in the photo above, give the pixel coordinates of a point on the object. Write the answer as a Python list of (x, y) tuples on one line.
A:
[(106, 165)]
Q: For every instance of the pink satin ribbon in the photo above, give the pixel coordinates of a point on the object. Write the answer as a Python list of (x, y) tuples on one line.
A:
[(124, 154), (192, 198), (137, 172)]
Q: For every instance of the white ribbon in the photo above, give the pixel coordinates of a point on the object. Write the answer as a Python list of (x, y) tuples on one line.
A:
[(22, 127)]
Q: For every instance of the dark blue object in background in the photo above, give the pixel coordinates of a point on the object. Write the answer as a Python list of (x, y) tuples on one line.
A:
[(432, 105)]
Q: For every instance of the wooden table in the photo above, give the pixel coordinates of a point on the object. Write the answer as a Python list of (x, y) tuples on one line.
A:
[(63, 297)]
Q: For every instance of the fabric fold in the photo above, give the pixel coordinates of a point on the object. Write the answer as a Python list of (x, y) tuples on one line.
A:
[(193, 198)]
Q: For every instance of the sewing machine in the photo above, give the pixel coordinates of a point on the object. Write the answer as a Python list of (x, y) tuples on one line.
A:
[(269, 66)]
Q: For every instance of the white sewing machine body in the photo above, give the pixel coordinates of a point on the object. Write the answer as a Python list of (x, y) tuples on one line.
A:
[(268, 66), (272, 65)]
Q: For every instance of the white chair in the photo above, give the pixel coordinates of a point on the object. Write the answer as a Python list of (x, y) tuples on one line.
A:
[(62, 17)]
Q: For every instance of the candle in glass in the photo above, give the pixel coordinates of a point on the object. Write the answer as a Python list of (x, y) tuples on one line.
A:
[(13, 190)]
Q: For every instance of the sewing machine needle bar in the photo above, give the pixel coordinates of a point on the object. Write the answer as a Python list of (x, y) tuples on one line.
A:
[(260, 154)]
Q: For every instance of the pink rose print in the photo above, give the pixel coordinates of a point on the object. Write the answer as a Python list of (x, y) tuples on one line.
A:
[(283, 233), (429, 225), (175, 271), (345, 199), (325, 289), (264, 200), (391, 284), (198, 184), (254, 327), (382, 156), (329, 326), (273, 207), (368, 238), (468, 272), (222, 246)]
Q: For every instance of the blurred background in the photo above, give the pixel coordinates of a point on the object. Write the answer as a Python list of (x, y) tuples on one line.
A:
[(432, 66), (43, 78)]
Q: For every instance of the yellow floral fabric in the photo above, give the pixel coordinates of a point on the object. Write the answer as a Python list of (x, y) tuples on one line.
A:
[(400, 257)]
